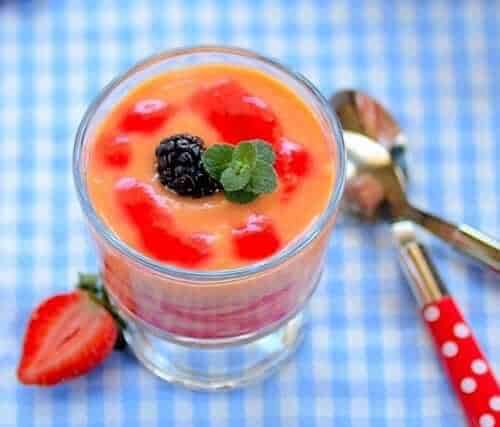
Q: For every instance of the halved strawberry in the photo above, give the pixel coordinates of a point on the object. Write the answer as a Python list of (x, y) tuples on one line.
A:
[(236, 114), (147, 115), (68, 335), (257, 239)]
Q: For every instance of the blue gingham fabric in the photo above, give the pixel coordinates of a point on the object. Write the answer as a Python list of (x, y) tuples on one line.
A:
[(367, 360)]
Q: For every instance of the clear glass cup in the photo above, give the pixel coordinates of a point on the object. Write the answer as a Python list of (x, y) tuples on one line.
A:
[(213, 329)]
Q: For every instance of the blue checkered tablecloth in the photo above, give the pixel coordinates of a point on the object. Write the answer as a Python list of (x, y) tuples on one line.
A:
[(367, 360)]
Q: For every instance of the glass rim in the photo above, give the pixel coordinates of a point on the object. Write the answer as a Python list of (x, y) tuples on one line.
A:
[(292, 249)]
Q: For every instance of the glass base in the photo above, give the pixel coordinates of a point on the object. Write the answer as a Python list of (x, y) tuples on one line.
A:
[(201, 366)]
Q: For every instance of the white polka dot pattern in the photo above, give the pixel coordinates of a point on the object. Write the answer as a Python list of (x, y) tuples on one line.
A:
[(495, 403), (468, 370), (450, 349), (468, 385), (479, 367), (460, 330), (487, 420), (431, 313)]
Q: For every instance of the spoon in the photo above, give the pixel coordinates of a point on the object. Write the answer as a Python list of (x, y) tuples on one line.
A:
[(363, 115), (473, 381)]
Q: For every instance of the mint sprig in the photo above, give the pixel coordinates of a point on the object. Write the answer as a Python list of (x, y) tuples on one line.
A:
[(217, 159), (264, 151), (263, 178), (234, 178), (245, 170), (240, 196)]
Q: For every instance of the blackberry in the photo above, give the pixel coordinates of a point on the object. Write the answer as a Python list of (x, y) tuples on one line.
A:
[(179, 166)]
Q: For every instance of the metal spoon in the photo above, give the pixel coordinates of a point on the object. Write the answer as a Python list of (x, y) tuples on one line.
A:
[(473, 381), (363, 115)]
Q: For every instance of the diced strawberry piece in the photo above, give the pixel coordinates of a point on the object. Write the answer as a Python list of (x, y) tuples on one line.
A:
[(152, 220), (293, 162), (115, 150), (257, 239), (169, 246), (292, 158), (147, 115), (67, 336), (236, 114), (140, 204)]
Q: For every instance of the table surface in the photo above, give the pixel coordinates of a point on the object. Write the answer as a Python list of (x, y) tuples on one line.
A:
[(367, 360)]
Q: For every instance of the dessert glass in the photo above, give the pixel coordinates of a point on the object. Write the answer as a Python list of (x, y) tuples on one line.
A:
[(211, 329)]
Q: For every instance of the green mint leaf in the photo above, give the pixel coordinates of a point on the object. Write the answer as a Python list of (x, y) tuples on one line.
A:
[(264, 150), (245, 171), (241, 196), (244, 156), (234, 180), (216, 159), (263, 179)]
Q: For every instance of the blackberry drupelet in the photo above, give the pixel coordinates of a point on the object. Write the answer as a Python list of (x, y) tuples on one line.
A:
[(179, 166)]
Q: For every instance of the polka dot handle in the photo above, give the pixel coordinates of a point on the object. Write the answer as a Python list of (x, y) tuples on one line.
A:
[(468, 370)]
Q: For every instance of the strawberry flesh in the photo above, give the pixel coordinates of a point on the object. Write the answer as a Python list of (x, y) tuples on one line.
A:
[(67, 336), (114, 150), (236, 114), (147, 115), (167, 246), (140, 203), (257, 239), (152, 220), (293, 162)]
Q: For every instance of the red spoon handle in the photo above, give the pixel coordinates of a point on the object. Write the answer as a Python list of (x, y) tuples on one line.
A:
[(468, 370)]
